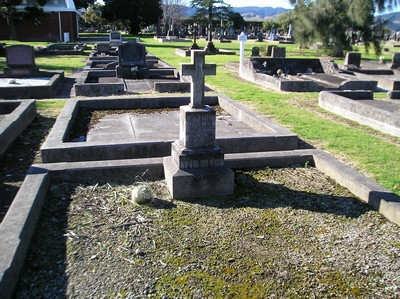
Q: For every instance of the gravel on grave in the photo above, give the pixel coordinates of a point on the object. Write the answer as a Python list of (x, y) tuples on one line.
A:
[(286, 233)]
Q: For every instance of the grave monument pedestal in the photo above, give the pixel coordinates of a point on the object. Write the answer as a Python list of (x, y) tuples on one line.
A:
[(196, 166)]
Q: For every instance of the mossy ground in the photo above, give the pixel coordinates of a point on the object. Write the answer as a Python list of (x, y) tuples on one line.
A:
[(286, 233)]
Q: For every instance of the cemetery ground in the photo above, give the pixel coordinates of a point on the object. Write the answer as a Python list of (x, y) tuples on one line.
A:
[(286, 233)]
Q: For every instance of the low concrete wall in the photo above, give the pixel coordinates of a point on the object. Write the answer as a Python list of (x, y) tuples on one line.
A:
[(347, 104), (21, 115), (34, 92), (57, 148)]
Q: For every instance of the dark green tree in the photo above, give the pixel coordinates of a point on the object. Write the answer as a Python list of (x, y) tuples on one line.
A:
[(236, 20), (9, 11), (211, 10), (83, 3), (329, 22), (137, 14)]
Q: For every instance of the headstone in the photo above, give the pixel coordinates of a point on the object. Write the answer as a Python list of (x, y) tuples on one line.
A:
[(395, 61), (352, 58), (269, 50), (196, 165), (255, 51), (132, 61), (260, 36), (20, 61), (102, 48), (278, 52), (115, 38)]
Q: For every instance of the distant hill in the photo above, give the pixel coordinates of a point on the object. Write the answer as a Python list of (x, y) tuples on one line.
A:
[(393, 20), (251, 12), (259, 13)]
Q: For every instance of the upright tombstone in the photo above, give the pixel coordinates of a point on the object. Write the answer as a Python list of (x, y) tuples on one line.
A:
[(269, 50), (260, 36), (278, 52), (115, 38), (352, 59), (395, 61), (242, 38), (20, 61), (103, 48), (255, 51), (196, 166), (132, 61)]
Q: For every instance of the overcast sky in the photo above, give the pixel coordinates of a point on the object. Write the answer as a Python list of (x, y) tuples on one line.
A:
[(261, 3)]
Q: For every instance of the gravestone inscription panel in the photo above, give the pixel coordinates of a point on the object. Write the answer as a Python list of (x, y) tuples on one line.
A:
[(20, 61), (132, 61)]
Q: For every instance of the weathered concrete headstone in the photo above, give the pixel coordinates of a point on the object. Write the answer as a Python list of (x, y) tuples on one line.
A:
[(196, 165), (255, 51), (20, 61), (269, 50), (115, 38), (395, 61), (132, 61), (352, 58), (278, 52), (103, 48)]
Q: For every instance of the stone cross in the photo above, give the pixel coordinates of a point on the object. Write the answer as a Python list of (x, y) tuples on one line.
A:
[(242, 38), (197, 70)]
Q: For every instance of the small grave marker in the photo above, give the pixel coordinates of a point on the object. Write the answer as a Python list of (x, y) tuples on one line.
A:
[(255, 51), (278, 52), (20, 61), (395, 61), (353, 58), (242, 38), (132, 61)]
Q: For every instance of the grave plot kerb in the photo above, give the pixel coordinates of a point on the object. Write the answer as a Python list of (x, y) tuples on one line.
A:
[(57, 148), (18, 226), (22, 114), (346, 105)]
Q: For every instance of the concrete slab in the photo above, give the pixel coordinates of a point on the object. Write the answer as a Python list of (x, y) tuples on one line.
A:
[(47, 89), (15, 116), (378, 114), (18, 226), (239, 129)]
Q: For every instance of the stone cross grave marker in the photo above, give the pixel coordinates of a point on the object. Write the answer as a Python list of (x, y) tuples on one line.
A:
[(197, 70), (242, 38)]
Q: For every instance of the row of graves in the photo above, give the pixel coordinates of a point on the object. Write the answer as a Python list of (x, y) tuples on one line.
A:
[(194, 142), (127, 69)]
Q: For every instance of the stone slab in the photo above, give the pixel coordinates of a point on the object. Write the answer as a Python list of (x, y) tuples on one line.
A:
[(47, 90)]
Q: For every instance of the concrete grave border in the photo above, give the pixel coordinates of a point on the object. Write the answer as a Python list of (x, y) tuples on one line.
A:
[(295, 83), (56, 149), (46, 91), (346, 104), (18, 226), (15, 122)]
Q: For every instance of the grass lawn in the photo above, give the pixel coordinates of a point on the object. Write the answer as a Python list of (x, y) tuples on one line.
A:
[(372, 152)]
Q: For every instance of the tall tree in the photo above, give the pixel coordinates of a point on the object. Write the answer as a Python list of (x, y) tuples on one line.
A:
[(137, 14), (173, 11), (211, 9), (329, 21), (9, 11)]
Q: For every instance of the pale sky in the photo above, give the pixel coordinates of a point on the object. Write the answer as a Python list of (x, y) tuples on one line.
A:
[(261, 3)]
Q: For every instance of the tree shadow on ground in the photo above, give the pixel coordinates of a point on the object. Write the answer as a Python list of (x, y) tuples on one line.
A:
[(250, 192)]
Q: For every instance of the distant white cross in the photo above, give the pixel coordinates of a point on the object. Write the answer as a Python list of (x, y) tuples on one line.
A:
[(197, 70)]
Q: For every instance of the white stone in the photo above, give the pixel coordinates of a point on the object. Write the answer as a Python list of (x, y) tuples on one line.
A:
[(142, 194)]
